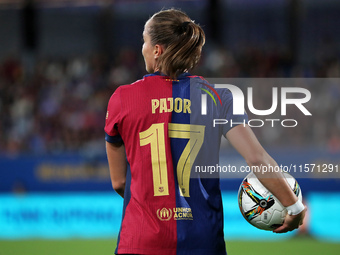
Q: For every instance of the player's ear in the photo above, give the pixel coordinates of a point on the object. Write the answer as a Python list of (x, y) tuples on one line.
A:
[(158, 50)]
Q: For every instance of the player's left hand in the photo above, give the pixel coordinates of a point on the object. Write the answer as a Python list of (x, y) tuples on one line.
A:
[(291, 222)]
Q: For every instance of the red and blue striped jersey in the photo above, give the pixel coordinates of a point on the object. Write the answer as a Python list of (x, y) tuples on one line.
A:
[(169, 208)]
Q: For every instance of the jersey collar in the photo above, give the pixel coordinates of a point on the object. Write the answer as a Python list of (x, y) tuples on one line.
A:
[(181, 76)]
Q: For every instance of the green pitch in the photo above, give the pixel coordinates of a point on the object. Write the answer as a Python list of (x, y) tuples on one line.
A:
[(295, 246)]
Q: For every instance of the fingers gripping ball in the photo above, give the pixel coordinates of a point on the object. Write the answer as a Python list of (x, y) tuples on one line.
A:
[(259, 207)]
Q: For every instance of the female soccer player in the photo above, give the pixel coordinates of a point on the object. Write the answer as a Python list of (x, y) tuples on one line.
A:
[(156, 125)]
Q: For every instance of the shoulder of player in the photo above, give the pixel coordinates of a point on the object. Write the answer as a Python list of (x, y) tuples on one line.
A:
[(127, 90), (139, 84), (223, 92), (134, 84)]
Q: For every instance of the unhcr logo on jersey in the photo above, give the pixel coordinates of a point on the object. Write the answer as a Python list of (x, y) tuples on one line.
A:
[(178, 213), (183, 213), (164, 214)]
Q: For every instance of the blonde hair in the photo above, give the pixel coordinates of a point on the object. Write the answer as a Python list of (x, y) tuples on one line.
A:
[(181, 38)]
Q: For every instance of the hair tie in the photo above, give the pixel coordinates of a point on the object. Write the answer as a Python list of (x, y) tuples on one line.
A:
[(183, 27)]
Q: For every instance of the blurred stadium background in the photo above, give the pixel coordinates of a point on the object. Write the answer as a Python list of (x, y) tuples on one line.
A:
[(61, 60)]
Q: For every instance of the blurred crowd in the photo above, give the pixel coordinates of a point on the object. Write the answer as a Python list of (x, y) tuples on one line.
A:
[(59, 105)]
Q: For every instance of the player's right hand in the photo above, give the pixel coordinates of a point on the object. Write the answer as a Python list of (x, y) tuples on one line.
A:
[(291, 222)]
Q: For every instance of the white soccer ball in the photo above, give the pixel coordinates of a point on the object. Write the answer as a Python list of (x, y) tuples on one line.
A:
[(259, 207)]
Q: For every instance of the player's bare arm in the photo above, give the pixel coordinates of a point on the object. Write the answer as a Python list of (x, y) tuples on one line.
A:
[(245, 142), (118, 166)]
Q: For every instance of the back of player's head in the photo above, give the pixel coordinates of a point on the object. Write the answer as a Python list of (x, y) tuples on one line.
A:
[(181, 38)]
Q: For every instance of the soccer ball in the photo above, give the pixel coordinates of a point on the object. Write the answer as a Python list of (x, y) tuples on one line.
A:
[(259, 207)]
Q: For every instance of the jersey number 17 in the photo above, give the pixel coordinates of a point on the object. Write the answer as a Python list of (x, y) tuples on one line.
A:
[(155, 136)]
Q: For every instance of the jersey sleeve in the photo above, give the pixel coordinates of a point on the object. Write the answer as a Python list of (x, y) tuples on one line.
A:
[(113, 118), (233, 120)]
